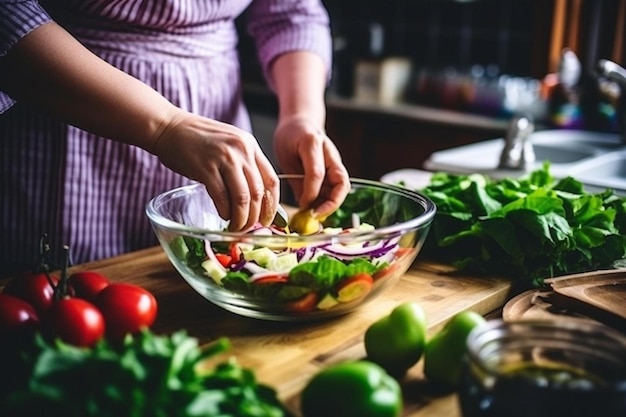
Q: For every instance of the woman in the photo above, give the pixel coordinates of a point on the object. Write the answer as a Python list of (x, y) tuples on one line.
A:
[(108, 103)]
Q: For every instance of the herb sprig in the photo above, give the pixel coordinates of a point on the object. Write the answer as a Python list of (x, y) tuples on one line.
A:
[(148, 375)]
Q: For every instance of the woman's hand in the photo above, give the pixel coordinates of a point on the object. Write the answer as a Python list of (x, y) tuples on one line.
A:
[(301, 147), (228, 161), (300, 144)]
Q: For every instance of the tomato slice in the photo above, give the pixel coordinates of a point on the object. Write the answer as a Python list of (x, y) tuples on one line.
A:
[(402, 251), (235, 253), (224, 260), (272, 279), (303, 304), (402, 255), (355, 287)]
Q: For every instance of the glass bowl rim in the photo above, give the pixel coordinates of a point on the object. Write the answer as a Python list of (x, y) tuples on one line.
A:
[(420, 221)]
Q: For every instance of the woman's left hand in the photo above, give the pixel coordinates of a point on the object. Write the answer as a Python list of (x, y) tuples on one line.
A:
[(302, 147)]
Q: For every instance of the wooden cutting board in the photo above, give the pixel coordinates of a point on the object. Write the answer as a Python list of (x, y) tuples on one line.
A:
[(596, 295), (286, 355)]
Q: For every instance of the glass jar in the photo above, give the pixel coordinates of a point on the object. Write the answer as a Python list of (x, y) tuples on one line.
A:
[(544, 368)]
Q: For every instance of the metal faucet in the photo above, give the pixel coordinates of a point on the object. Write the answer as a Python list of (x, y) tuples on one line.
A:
[(518, 152), (617, 74)]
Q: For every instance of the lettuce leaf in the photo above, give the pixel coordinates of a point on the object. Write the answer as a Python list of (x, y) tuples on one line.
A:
[(528, 229)]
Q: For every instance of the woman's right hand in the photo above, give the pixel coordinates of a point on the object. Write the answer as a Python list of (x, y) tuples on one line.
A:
[(227, 160)]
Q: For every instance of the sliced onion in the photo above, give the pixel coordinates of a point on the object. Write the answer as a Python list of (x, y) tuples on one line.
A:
[(254, 267), (278, 231), (306, 254), (258, 275), (209, 251), (238, 266), (355, 250), (262, 231), (356, 220), (387, 257)]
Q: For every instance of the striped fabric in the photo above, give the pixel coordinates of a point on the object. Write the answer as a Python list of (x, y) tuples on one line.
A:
[(90, 192)]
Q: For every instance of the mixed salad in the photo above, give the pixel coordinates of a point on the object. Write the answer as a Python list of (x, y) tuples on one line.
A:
[(292, 276)]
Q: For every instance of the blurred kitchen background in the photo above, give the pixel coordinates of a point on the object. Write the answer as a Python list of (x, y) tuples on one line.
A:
[(415, 76)]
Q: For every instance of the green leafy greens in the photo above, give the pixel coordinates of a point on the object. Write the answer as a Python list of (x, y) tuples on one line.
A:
[(148, 376), (529, 229)]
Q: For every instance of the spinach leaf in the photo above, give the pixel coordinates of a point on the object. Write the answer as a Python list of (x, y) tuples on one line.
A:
[(527, 228)]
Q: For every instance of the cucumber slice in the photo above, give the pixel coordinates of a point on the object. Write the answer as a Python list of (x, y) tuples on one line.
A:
[(261, 256), (327, 302), (214, 269), (283, 262)]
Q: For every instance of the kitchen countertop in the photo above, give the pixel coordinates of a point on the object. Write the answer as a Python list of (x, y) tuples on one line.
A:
[(286, 355)]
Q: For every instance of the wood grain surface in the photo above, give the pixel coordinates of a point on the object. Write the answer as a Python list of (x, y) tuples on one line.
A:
[(286, 355)]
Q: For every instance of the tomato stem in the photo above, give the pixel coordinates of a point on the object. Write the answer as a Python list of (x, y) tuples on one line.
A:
[(60, 290), (43, 264)]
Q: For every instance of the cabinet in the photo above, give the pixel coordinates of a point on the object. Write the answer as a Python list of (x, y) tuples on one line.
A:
[(374, 139)]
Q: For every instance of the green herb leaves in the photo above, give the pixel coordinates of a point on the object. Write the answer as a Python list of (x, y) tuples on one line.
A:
[(529, 229), (147, 376)]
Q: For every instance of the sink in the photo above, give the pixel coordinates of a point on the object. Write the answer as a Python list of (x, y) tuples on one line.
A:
[(596, 159), (607, 171), (561, 155)]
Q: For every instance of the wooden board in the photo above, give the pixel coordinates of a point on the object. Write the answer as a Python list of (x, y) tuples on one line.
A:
[(590, 296), (540, 304), (286, 355), (599, 294)]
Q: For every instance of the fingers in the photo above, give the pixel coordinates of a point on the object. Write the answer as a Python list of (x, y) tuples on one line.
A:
[(314, 168), (229, 162), (326, 181), (241, 180), (338, 180), (271, 192), (252, 189)]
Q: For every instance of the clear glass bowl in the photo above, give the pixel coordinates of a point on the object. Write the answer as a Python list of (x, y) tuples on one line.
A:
[(544, 368), (383, 228)]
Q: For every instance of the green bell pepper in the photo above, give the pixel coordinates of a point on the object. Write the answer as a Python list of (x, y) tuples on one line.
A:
[(396, 342), (352, 388), (445, 351)]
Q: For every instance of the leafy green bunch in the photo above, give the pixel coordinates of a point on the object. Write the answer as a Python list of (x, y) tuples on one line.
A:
[(530, 228), (148, 375)]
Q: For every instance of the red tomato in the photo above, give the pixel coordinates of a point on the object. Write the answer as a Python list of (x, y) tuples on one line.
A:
[(235, 253), (355, 287), (87, 284), (223, 259), (303, 304), (34, 288), (127, 308), (75, 321), (17, 317), (272, 279), (402, 256)]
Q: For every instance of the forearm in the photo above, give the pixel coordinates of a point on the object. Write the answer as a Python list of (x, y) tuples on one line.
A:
[(299, 80), (50, 69)]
